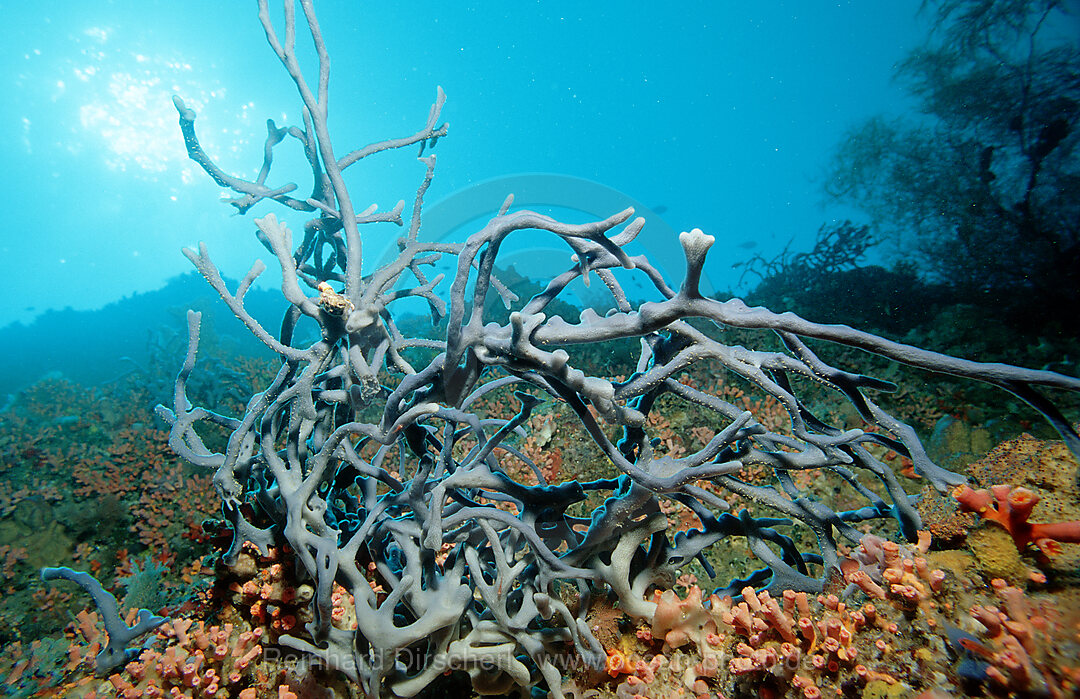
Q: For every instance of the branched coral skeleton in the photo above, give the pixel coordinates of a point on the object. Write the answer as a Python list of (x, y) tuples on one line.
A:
[(495, 606)]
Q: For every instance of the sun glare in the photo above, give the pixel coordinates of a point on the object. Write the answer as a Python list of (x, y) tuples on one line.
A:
[(122, 101)]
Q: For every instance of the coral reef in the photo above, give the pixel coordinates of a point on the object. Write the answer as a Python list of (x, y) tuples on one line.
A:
[(472, 562), (902, 627), (447, 562), (390, 521)]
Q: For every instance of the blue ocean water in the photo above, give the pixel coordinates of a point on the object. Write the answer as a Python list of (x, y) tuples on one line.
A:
[(718, 114)]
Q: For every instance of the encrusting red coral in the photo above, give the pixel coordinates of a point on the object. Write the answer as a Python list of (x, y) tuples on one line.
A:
[(1010, 508), (767, 635), (197, 662), (795, 644), (884, 569), (1021, 656)]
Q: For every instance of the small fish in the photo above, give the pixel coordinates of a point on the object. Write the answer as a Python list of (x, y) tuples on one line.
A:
[(747, 244), (973, 654)]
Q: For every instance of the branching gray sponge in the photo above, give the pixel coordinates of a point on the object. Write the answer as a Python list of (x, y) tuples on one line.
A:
[(115, 653), (475, 565)]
